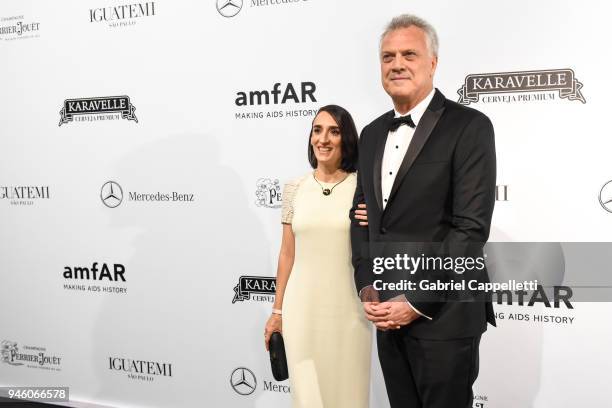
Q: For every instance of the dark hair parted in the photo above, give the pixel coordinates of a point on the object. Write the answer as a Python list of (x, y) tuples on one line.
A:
[(348, 138)]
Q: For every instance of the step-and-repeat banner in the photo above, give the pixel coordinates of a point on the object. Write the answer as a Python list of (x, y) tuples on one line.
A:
[(144, 147)]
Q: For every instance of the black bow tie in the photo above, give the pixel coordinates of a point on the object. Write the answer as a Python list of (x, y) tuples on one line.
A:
[(402, 120)]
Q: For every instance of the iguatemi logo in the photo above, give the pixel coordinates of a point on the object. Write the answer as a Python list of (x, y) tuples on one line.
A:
[(96, 109), (521, 86), (122, 16), (258, 288), (142, 370), (268, 193), (24, 195)]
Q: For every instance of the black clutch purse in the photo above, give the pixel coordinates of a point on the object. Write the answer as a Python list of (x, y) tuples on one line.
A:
[(278, 358)]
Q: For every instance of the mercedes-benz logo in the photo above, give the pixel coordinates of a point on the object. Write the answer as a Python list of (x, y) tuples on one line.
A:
[(605, 196), (229, 8), (243, 381), (111, 194)]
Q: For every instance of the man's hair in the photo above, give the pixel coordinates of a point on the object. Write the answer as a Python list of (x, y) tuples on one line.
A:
[(409, 20)]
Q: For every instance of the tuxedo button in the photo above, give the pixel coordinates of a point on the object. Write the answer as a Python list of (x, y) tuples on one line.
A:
[(383, 230)]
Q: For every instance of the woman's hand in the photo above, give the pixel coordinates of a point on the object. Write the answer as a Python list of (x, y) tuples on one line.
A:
[(362, 214), (274, 324)]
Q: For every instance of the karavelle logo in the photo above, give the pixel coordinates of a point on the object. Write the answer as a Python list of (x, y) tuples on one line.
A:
[(521, 86), (97, 109), (229, 8), (111, 194), (259, 288), (605, 196), (243, 381)]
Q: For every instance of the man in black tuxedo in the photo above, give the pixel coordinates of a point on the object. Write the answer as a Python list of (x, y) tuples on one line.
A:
[(427, 175)]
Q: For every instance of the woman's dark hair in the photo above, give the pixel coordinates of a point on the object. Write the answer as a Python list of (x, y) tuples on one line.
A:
[(348, 137)]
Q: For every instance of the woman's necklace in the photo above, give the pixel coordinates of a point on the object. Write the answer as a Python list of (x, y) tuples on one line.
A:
[(327, 191)]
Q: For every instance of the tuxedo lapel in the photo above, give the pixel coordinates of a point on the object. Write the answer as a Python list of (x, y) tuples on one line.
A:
[(382, 132), (421, 134)]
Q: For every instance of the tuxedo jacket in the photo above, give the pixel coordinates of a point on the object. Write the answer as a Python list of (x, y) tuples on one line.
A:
[(444, 192)]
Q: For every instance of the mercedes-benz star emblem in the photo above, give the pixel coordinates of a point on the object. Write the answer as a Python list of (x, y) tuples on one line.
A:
[(243, 381), (605, 196), (229, 8), (111, 194)]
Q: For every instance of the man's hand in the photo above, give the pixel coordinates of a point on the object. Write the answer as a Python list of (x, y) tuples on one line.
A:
[(362, 215), (369, 294), (400, 313), (371, 305)]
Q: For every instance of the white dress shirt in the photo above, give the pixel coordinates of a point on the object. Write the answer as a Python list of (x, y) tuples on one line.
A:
[(397, 146)]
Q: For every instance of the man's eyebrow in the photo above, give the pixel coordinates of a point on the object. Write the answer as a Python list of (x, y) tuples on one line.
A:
[(403, 51)]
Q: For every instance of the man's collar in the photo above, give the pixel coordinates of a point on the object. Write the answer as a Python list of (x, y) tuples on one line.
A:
[(417, 112)]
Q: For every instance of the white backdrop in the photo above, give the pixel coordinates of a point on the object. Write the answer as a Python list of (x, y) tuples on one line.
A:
[(183, 65)]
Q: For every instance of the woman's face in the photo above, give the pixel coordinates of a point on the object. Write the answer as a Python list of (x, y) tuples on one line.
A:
[(326, 140)]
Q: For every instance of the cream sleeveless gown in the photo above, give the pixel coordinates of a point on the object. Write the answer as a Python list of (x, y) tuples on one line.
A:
[(327, 337)]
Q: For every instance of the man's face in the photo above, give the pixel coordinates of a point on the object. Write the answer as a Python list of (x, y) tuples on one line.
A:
[(406, 64)]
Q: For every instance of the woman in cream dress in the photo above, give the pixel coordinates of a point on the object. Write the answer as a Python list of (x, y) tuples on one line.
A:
[(327, 337)]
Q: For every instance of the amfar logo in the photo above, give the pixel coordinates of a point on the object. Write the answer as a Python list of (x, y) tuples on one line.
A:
[(560, 294), (11, 28), (263, 288), (24, 195), (111, 194), (85, 273), (605, 196), (523, 85), (102, 273), (279, 95), (229, 8), (95, 109), (140, 369), (289, 94), (33, 357), (243, 381), (122, 16), (268, 193)]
